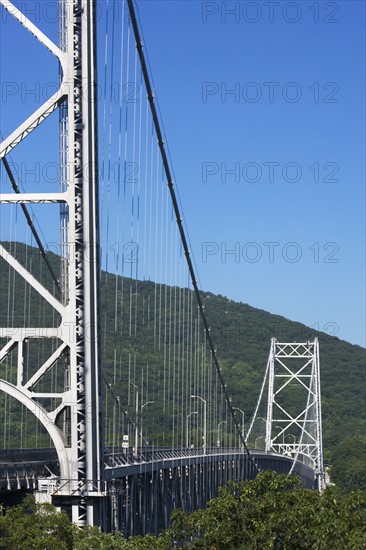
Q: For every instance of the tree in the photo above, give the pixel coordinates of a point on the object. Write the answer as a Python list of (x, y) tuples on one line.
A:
[(271, 512), (32, 526), (275, 512)]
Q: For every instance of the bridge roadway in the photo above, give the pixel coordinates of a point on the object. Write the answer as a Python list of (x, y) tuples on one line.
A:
[(144, 489)]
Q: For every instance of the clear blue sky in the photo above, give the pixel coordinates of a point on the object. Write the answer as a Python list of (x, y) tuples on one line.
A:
[(263, 105), (192, 44)]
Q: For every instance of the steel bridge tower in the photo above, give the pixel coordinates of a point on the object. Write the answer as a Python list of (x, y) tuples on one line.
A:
[(294, 420), (78, 440)]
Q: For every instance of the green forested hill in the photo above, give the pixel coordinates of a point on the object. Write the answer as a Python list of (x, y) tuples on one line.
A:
[(242, 336)]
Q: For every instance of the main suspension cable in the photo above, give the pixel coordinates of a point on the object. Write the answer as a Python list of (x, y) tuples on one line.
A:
[(150, 96)]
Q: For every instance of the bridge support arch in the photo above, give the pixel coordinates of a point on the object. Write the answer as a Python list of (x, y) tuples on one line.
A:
[(57, 436)]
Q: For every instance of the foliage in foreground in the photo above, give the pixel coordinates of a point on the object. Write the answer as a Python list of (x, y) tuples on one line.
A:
[(271, 512), (276, 512), (33, 526)]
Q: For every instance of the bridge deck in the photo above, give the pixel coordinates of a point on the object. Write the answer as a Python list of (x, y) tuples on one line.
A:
[(143, 489), (21, 468)]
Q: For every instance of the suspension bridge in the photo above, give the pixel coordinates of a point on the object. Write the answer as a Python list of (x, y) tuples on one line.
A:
[(114, 405)]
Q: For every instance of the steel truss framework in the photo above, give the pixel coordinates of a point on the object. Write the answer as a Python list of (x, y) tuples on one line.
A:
[(144, 501), (143, 494), (80, 458), (295, 366), (143, 497)]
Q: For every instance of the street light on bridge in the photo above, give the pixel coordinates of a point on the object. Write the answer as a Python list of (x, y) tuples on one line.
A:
[(283, 436), (136, 416), (204, 420), (142, 406), (268, 432), (242, 423), (218, 431), (256, 439), (187, 427)]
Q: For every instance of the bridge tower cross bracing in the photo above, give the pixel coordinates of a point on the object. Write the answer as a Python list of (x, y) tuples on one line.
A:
[(79, 443), (294, 367)]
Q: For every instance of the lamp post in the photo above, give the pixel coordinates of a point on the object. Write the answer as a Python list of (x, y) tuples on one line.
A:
[(136, 428), (293, 443), (142, 406), (283, 437), (204, 420), (218, 431), (256, 439), (268, 436), (187, 427), (136, 414), (242, 422)]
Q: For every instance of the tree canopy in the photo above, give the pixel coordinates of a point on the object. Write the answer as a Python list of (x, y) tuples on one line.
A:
[(276, 512), (271, 512)]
